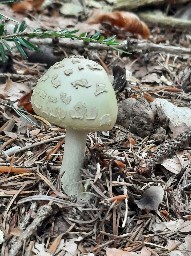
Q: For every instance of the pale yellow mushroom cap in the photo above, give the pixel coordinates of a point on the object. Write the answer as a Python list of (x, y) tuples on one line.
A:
[(76, 93)]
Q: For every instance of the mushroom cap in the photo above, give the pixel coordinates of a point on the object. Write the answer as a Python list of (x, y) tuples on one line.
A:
[(76, 93)]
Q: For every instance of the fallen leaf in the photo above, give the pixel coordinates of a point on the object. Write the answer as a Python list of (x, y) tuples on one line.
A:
[(176, 163), (120, 164), (151, 78), (148, 97), (35, 132), (27, 6), (54, 150), (151, 198), (183, 249), (164, 80), (187, 217), (186, 227), (12, 135), (118, 198), (172, 245), (165, 213), (25, 102), (179, 225), (172, 164), (171, 89), (177, 253), (188, 243), (118, 252), (39, 249), (22, 7), (53, 247), (71, 247), (145, 252), (174, 225), (71, 9), (13, 91), (131, 140), (126, 20), (15, 231), (179, 118)]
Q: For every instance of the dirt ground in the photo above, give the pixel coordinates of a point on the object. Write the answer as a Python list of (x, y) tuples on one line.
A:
[(138, 174)]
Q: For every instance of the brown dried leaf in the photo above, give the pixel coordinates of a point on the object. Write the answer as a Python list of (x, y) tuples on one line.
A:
[(126, 20), (27, 6), (53, 247), (118, 252), (120, 164), (148, 97), (15, 231), (25, 102), (13, 91), (132, 141), (22, 7), (116, 199)]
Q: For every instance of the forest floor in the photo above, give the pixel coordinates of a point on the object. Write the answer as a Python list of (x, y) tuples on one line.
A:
[(138, 174)]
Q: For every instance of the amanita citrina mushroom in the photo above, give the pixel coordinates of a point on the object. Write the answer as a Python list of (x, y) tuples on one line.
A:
[(75, 93)]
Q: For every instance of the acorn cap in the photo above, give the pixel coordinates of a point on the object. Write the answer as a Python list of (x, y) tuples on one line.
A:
[(76, 93)]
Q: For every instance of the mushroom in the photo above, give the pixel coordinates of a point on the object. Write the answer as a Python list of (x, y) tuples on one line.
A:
[(76, 94)]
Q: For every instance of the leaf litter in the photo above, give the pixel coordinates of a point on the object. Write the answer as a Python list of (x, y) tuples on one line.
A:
[(131, 212)]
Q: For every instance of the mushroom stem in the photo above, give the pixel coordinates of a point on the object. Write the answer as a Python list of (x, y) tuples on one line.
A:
[(74, 150)]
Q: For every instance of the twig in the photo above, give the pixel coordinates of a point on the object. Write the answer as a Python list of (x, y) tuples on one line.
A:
[(27, 218), (15, 76), (156, 245), (64, 203), (14, 169), (102, 245), (131, 4), (159, 19), (130, 46), (97, 190), (42, 213), (114, 236), (39, 143), (10, 204), (49, 183), (166, 149), (62, 34), (134, 45)]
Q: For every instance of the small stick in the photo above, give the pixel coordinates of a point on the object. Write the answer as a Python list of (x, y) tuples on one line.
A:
[(130, 45), (54, 150), (14, 169), (42, 213), (16, 76), (39, 143), (165, 150), (10, 204)]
